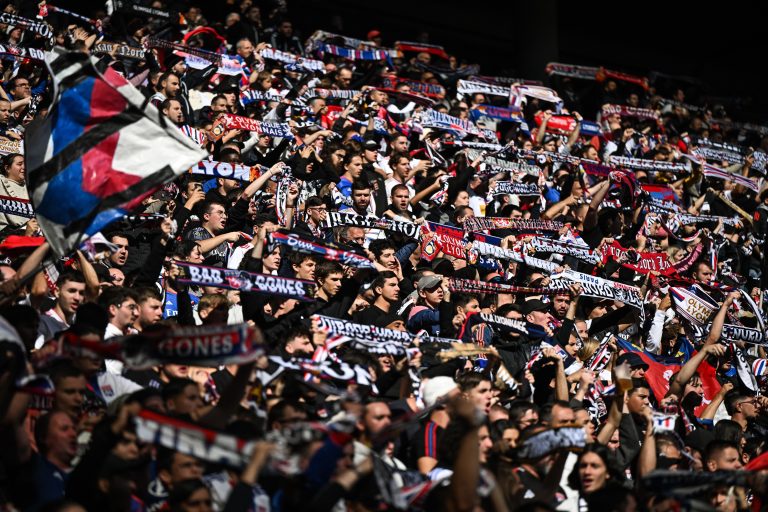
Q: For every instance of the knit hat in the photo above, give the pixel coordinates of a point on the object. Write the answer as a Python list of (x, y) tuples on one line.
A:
[(436, 388)]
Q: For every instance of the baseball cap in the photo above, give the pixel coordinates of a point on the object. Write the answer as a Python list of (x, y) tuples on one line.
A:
[(373, 33), (634, 360), (427, 282), (532, 305), (436, 388), (372, 145)]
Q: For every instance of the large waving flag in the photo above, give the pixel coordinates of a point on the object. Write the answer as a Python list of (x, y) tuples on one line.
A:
[(99, 153)]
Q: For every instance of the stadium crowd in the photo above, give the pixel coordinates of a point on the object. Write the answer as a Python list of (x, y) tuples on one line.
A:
[(381, 281)]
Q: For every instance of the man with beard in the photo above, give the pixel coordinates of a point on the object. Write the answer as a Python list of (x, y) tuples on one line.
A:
[(298, 344)]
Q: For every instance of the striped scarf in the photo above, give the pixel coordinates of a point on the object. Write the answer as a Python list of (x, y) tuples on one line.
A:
[(289, 58), (710, 171), (468, 87), (471, 286), (627, 111), (427, 89), (350, 53), (649, 165), (212, 57), (527, 225)]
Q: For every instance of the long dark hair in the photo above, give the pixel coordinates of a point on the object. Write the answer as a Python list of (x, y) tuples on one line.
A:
[(615, 472)]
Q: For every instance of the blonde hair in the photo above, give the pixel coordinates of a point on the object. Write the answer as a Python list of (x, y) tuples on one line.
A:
[(588, 349)]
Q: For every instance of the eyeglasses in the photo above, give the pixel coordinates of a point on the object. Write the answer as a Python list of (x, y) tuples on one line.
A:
[(318, 208), (23, 85)]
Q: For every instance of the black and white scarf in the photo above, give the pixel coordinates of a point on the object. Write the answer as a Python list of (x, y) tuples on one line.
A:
[(336, 219)]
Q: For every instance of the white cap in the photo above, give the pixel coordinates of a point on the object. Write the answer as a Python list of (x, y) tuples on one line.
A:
[(436, 388)]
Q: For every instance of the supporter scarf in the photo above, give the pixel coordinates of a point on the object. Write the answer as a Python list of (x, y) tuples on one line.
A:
[(229, 65), (663, 102), (246, 123), (371, 333), (693, 219), (250, 96), (464, 350), (686, 483), (474, 145), (38, 385), (427, 89), (281, 196), (335, 219), (289, 58), (565, 125), (450, 240), (710, 171), (592, 286), (583, 253), (304, 246), (717, 154), (683, 265), (761, 161), (550, 440), (130, 6), (38, 27), (345, 94), (643, 262), (627, 111), (212, 345), (95, 23), (11, 146), (326, 370), (602, 355), (501, 113), (434, 119), (513, 187), (192, 439), (743, 368), (231, 279), (16, 206), (735, 149), (503, 80), (504, 324), (214, 169), (649, 165), (472, 286), (351, 53), (693, 304), (402, 490), (571, 71), (526, 225), (542, 156), (500, 165), (212, 57), (441, 196), (322, 35), (597, 409), (603, 73), (731, 333), (760, 367), (19, 53), (657, 205), (432, 49), (467, 87), (122, 50), (518, 93)]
